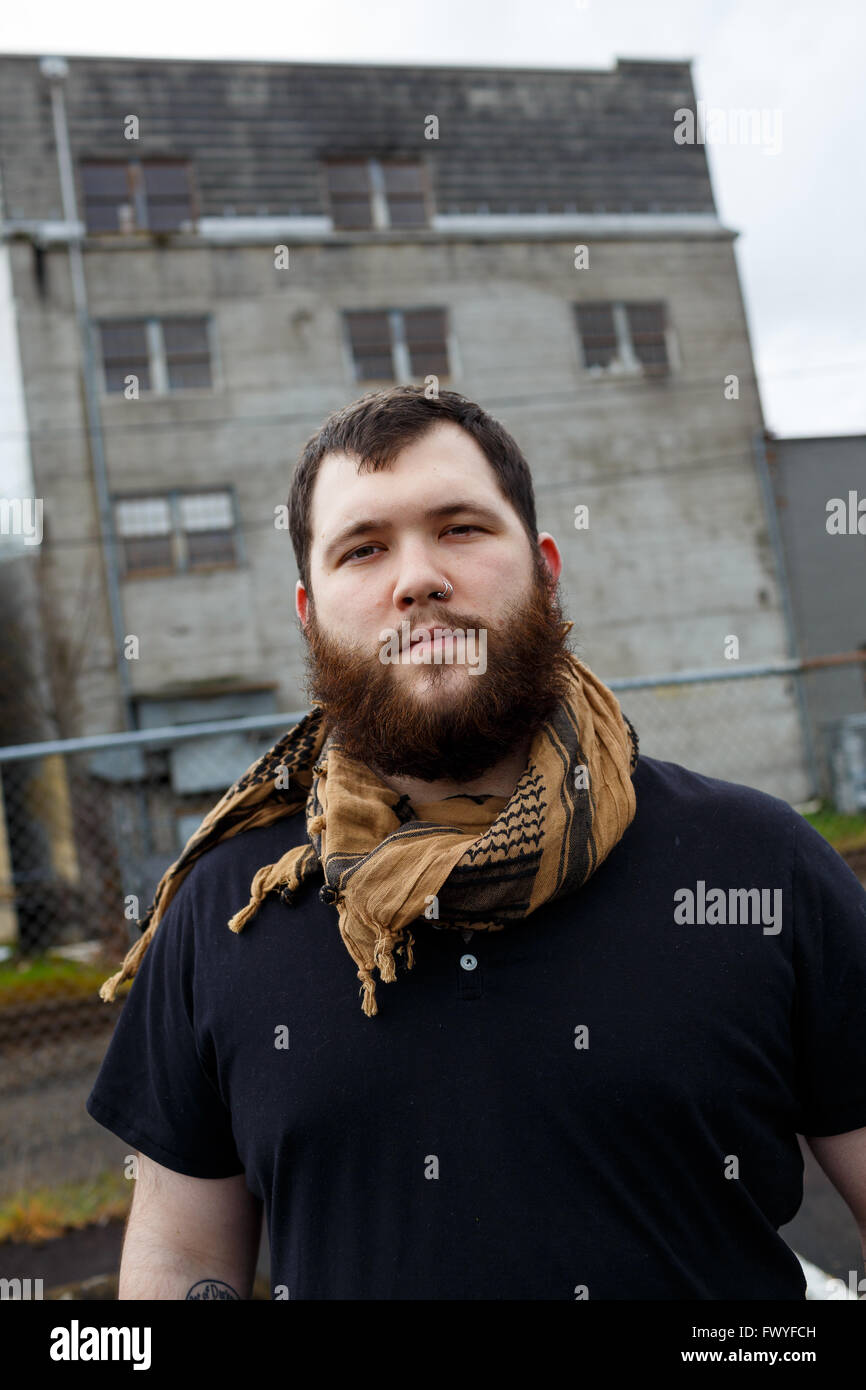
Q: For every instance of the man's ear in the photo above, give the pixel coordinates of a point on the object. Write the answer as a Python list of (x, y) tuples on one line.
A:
[(550, 555), (302, 603)]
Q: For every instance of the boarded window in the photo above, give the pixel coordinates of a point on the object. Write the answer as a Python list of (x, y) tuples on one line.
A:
[(404, 192), (647, 323), (167, 194), (108, 198), (425, 331), (185, 348), (370, 341), (349, 190), (187, 353), (134, 195), (124, 353), (597, 334)]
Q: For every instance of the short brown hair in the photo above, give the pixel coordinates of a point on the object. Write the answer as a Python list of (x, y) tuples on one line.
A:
[(377, 426)]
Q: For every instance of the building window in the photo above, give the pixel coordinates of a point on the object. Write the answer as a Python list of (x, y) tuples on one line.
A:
[(403, 187), (627, 338), (368, 193), (137, 195), (145, 532), (647, 327), (424, 331), (167, 194), (370, 342), (125, 353), (597, 334), (170, 354), (187, 353), (108, 197), (208, 528), (398, 344), (349, 189), (177, 532)]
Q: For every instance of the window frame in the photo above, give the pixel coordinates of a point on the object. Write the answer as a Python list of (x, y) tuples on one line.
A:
[(374, 167), (157, 360), (650, 369), (586, 346), (138, 197), (177, 533), (626, 361), (401, 364)]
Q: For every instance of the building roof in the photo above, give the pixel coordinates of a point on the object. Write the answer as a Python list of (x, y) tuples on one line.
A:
[(510, 139)]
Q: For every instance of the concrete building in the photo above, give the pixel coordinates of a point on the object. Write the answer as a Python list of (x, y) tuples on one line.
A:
[(207, 258), (819, 486)]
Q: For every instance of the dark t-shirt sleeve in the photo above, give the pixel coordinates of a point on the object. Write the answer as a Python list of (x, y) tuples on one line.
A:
[(153, 1090), (830, 965)]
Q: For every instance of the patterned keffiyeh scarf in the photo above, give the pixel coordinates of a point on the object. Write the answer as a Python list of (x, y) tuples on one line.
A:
[(464, 862)]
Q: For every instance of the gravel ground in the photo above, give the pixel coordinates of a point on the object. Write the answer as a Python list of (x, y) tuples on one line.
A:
[(48, 1136)]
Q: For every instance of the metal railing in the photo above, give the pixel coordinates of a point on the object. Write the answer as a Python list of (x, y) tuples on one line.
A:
[(89, 825)]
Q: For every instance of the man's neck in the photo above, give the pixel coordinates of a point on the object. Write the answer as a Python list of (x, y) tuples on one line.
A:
[(498, 780)]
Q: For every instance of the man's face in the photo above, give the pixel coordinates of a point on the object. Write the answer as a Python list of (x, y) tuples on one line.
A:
[(437, 710)]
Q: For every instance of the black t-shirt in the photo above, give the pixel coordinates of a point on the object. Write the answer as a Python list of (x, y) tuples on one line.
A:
[(599, 1101)]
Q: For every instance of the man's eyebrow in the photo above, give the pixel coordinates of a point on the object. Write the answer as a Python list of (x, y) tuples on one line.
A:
[(356, 529)]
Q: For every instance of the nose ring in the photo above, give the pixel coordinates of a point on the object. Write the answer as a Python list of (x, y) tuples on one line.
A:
[(447, 592)]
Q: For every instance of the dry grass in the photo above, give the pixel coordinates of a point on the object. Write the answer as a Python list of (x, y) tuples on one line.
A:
[(44, 1213)]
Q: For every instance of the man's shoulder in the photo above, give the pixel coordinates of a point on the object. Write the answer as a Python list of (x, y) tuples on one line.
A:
[(226, 868), (667, 788)]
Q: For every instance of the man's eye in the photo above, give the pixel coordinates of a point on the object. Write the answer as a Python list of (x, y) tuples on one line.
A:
[(353, 553), (465, 526)]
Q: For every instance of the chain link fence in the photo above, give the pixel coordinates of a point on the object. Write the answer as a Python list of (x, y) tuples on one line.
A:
[(89, 825)]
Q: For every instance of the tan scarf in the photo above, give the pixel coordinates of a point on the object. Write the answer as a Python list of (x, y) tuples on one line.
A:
[(464, 862)]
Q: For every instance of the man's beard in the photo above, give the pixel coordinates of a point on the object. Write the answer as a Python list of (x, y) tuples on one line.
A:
[(453, 731)]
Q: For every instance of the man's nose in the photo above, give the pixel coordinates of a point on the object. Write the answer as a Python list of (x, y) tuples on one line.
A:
[(421, 582)]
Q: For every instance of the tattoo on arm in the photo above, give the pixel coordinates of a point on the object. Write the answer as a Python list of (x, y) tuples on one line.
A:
[(212, 1288)]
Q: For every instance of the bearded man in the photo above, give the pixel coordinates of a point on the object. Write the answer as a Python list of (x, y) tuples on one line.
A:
[(421, 988)]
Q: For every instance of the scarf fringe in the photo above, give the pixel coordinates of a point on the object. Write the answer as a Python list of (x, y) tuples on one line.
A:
[(386, 942), (129, 966), (288, 873)]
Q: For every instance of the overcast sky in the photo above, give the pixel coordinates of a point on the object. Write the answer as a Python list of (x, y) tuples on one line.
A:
[(801, 212)]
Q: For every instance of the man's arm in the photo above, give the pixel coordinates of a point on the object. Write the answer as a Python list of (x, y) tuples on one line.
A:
[(843, 1158), (189, 1237)]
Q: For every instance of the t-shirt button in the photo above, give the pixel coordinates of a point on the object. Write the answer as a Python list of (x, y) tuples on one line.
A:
[(468, 962)]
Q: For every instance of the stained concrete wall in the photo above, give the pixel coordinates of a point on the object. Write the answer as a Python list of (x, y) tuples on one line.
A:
[(676, 558)]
